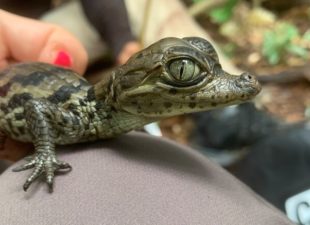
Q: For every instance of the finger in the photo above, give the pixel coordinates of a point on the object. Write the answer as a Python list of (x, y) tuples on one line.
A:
[(25, 39), (128, 50)]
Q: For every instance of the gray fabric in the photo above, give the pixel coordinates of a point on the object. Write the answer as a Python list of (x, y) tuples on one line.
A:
[(135, 179)]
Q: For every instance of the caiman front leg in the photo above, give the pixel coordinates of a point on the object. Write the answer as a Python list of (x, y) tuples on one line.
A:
[(39, 116)]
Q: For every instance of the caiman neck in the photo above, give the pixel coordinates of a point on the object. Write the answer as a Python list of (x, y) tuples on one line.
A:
[(105, 93), (104, 89), (120, 121)]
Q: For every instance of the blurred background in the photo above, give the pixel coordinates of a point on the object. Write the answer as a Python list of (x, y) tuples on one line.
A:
[(266, 142)]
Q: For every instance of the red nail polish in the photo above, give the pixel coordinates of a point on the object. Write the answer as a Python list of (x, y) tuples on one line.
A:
[(63, 59)]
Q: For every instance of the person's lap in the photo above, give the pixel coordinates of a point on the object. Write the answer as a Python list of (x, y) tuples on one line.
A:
[(134, 179)]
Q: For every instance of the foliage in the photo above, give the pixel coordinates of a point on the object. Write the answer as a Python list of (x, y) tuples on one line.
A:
[(222, 13), (280, 41)]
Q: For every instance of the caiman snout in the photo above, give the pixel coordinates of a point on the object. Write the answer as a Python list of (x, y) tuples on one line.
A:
[(249, 83), (247, 77)]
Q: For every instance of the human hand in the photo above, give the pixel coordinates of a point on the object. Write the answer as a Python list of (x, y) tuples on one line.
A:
[(22, 40), (128, 50)]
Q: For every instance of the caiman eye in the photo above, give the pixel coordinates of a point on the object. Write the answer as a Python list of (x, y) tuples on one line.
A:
[(184, 70)]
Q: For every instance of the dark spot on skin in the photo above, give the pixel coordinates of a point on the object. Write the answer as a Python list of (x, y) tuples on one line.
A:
[(98, 105), (48, 116), (226, 96), (75, 112), (109, 116), (33, 79), (4, 108), (63, 94), (5, 89), (113, 109), (21, 130), (19, 116), (65, 120), (114, 97), (90, 94), (91, 115), (139, 55), (72, 107), (86, 126), (193, 97), (173, 91), (192, 105), (18, 100), (242, 96), (134, 102), (213, 104), (75, 121), (167, 104), (82, 103)]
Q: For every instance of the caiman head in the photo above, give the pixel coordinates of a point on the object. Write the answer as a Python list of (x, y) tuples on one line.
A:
[(177, 76)]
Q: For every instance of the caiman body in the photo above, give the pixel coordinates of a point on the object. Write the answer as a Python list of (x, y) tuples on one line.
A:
[(48, 105)]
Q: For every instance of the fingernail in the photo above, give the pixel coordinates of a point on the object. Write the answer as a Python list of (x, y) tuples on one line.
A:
[(63, 59)]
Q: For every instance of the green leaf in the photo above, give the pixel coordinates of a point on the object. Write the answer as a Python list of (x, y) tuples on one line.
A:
[(290, 30), (273, 58), (298, 50), (223, 13), (271, 48), (270, 44), (280, 40)]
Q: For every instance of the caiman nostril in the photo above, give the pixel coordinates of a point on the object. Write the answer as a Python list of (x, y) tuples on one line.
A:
[(246, 77)]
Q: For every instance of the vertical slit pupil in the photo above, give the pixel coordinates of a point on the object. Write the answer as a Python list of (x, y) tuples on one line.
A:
[(182, 70)]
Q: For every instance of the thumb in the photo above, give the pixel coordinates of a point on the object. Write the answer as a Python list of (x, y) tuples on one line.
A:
[(62, 49), (23, 39)]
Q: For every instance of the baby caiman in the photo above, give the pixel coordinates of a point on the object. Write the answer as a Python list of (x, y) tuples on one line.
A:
[(49, 105)]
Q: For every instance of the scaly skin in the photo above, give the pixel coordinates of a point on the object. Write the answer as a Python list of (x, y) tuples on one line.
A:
[(49, 106)]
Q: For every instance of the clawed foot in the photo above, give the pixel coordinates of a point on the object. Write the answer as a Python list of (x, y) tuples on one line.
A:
[(42, 163)]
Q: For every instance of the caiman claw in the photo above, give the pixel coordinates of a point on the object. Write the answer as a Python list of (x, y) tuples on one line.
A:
[(42, 163)]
